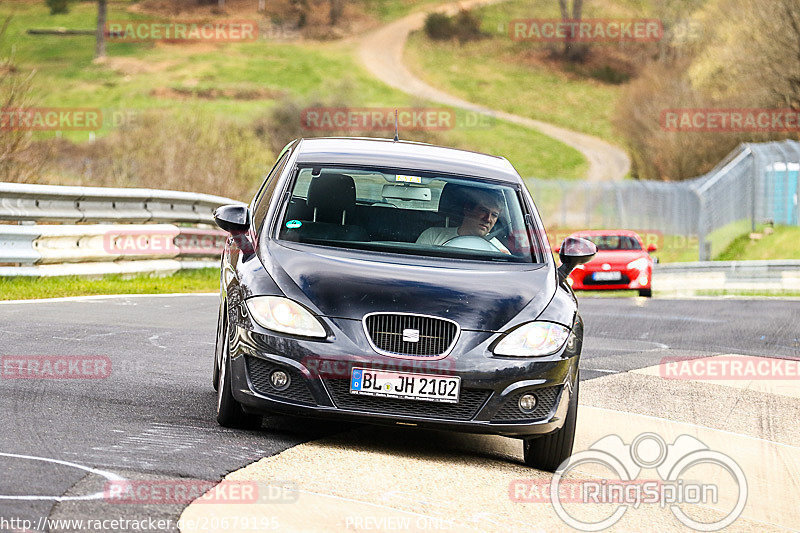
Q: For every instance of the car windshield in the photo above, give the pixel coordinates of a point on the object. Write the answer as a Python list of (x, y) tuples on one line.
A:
[(615, 242), (414, 213)]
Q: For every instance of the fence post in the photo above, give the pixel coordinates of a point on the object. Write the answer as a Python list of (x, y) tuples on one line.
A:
[(704, 248), (754, 186)]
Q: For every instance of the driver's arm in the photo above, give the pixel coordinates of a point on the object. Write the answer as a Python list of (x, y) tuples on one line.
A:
[(499, 245), (427, 237)]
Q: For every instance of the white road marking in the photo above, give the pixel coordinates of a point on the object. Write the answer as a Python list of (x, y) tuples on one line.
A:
[(104, 297), (110, 476)]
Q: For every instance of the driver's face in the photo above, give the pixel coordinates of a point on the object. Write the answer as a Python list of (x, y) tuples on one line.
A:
[(479, 220)]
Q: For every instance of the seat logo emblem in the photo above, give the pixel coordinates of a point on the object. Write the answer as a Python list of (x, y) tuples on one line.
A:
[(411, 335)]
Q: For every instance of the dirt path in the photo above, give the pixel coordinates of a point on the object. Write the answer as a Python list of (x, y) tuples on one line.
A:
[(381, 51)]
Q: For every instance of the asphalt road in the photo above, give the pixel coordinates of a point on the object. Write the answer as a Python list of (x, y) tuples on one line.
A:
[(153, 416)]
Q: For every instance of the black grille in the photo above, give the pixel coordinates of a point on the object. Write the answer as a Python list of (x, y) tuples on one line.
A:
[(589, 280), (259, 371), (435, 334), (469, 402), (545, 400)]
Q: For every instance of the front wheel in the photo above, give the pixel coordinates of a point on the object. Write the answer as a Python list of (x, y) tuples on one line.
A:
[(648, 293), (549, 451), (229, 412)]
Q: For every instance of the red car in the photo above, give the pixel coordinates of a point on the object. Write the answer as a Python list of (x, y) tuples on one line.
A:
[(621, 263)]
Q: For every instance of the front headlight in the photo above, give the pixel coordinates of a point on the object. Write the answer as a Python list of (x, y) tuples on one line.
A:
[(638, 264), (285, 316), (533, 339)]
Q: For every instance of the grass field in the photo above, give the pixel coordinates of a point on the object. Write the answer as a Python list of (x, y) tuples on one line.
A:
[(145, 76), (783, 243), (509, 75), (201, 280)]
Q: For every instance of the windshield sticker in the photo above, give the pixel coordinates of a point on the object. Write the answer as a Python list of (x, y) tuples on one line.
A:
[(294, 224), (408, 179)]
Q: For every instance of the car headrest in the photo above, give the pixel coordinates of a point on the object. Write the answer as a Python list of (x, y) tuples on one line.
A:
[(331, 194), (451, 204)]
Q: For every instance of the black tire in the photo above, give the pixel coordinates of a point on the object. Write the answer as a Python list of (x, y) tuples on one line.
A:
[(549, 451), (217, 346), (646, 292), (229, 412)]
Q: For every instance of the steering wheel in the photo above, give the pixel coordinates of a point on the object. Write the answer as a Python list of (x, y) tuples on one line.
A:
[(471, 242)]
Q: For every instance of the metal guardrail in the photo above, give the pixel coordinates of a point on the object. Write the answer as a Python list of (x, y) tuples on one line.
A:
[(143, 236), (58, 203), (688, 278)]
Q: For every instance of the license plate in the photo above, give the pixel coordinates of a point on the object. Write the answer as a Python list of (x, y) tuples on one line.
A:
[(607, 276), (406, 386)]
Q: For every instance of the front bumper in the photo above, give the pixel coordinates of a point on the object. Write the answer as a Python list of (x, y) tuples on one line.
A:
[(581, 280), (320, 379)]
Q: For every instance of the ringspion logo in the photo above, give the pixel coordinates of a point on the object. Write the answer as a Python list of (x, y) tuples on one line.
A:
[(687, 476)]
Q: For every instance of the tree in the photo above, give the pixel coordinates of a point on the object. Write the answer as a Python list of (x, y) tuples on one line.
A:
[(572, 51), (100, 44), (335, 13), (17, 162)]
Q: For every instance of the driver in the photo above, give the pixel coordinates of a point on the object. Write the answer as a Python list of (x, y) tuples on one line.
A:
[(482, 208)]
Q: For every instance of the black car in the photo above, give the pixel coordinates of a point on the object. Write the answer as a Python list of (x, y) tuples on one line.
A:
[(400, 283)]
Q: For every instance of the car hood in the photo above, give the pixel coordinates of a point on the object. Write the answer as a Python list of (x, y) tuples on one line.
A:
[(345, 284), (616, 257)]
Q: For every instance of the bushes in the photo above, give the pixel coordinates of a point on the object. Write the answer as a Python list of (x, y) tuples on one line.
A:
[(58, 7), (464, 26), (672, 155), (285, 121), (164, 150)]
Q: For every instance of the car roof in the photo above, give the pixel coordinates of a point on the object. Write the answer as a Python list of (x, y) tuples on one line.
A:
[(607, 233), (405, 155)]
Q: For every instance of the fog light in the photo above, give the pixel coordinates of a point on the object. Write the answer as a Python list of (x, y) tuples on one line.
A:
[(527, 403), (642, 280), (279, 379)]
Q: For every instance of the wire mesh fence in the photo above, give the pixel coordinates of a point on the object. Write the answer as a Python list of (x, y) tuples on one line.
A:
[(756, 183)]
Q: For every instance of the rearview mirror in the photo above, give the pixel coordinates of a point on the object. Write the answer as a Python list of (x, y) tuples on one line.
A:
[(575, 251), (651, 248), (233, 218), (401, 192)]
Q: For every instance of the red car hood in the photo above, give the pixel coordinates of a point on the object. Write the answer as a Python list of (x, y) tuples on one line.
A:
[(615, 258)]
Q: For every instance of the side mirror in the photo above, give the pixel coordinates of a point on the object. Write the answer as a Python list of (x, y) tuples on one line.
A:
[(575, 251), (233, 218), (651, 248)]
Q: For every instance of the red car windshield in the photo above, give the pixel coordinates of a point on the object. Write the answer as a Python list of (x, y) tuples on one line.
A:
[(615, 242)]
